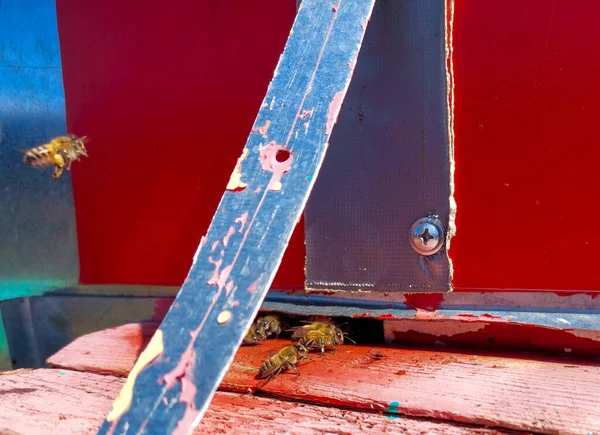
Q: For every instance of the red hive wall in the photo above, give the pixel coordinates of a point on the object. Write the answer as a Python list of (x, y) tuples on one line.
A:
[(527, 108), (169, 92)]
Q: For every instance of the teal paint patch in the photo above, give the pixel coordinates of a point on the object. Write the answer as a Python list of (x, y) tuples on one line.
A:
[(62, 373), (309, 178), (393, 409), (15, 289)]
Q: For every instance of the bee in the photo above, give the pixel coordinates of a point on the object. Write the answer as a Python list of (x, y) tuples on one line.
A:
[(59, 152), (269, 325), (254, 335), (299, 332), (319, 335), (285, 359)]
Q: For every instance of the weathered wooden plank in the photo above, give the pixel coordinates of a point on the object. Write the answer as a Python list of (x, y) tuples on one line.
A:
[(516, 391), (174, 379), (47, 401)]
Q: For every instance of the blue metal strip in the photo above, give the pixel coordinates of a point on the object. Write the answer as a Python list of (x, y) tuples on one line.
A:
[(174, 379), (38, 237)]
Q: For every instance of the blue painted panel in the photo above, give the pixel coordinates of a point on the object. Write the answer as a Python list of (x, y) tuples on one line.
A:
[(237, 260), (389, 160), (38, 238)]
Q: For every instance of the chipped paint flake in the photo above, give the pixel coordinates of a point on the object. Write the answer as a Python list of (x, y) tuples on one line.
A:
[(585, 333), (252, 287), (223, 276), (440, 328), (269, 162), (306, 113), (235, 181), (230, 233), (123, 402), (215, 276), (229, 287), (243, 219), (333, 111), (263, 130)]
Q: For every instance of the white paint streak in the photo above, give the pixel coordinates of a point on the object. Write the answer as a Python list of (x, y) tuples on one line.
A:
[(449, 29), (437, 328)]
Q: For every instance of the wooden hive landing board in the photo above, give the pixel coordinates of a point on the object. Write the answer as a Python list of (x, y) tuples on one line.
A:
[(52, 401), (516, 391)]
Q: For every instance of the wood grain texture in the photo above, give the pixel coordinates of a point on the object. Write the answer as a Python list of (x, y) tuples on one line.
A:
[(234, 266), (515, 391), (49, 401)]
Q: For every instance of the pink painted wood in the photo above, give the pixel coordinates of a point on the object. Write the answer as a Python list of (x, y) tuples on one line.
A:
[(50, 401), (516, 391)]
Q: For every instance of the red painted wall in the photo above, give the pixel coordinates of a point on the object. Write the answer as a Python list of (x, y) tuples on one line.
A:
[(169, 92), (527, 108)]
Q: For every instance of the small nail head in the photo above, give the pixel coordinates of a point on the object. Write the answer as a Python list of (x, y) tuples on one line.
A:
[(224, 317)]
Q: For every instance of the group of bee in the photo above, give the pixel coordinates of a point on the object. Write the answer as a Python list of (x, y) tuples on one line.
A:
[(320, 334), (60, 152)]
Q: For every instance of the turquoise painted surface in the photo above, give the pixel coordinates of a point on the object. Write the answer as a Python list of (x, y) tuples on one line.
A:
[(38, 237), (393, 409)]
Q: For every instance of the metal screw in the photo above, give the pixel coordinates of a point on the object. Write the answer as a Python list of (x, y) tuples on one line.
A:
[(427, 235)]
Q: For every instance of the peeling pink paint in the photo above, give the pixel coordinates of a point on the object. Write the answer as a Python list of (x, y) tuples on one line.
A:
[(268, 161), (223, 276), (235, 303), (215, 276), (263, 130), (257, 190), (334, 110), (230, 233), (253, 285), (351, 64), (188, 388), (306, 113), (229, 287), (243, 219), (112, 428), (187, 421), (214, 246)]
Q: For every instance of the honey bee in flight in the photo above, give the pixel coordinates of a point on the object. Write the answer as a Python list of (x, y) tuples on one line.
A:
[(59, 152), (285, 359)]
